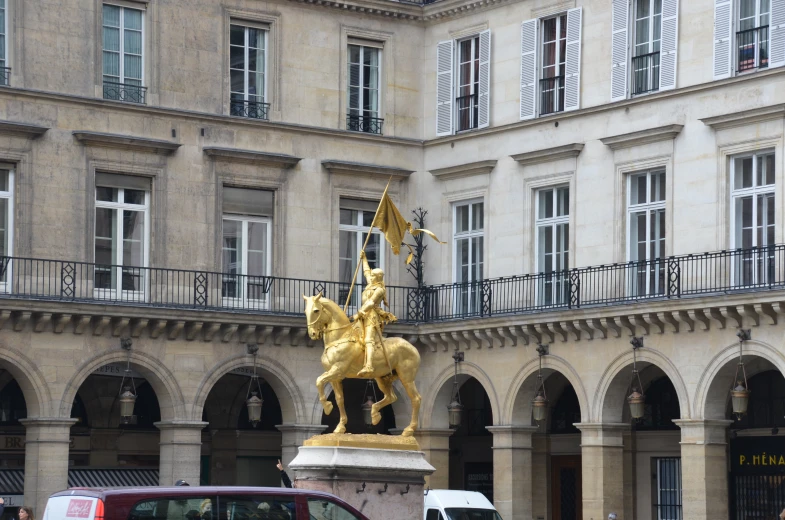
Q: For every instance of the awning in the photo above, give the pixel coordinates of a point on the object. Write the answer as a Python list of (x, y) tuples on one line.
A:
[(12, 481)]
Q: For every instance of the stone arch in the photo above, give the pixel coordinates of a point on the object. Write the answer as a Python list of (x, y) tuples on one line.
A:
[(712, 392), (611, 391), (517, 406), (276, 375), (402, 408), (35, 389), (437, 395), (163, 381)]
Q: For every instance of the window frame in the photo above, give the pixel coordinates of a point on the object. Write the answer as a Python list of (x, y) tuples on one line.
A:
[(361, 112), (658, 491), (471, 283), (553, 223), (560, 93), (6, 282), (757, 43), (653, 71), (246, 26), (474, 83), (244, 301), (121, 51), (4, 57), (647, 206), (358, 229), (647, 266)]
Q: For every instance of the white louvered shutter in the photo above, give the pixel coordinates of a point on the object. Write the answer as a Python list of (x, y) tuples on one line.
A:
[(484, 98), (444, 97), (572, 65), (619, 46), (669, 44), (723, 32), (529, 69), (777, 34)]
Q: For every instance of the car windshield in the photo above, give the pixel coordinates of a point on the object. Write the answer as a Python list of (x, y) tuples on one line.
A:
[(464, 513)]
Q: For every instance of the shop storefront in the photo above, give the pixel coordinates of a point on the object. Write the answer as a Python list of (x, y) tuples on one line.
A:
[(757, 477)]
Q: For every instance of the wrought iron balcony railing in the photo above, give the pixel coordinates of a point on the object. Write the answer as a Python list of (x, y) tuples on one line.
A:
[(250, 109), (551, 95), (5, 76), (645, 73), (368, 124), (125, 92), (752, 48), (715, 273)]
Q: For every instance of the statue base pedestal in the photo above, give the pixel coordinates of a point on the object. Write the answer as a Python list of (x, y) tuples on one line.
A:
[(378, 481)]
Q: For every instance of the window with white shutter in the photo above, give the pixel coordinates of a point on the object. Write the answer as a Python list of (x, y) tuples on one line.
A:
[(669, 44), (123, 54), (777, 34), (723, 30), (619, 44), (553, 60), (444, 90), (468, 84), (572, 70), (752, 34), (484, 102), (749, 35), (5, 71), (529, 69)]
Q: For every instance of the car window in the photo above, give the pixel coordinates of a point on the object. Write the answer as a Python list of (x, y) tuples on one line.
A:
[(256, 507), (434, 514), (182, 508), (323, 509), (465, 513)]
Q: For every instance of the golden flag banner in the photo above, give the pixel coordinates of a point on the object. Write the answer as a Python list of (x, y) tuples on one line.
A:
[(390, 221)]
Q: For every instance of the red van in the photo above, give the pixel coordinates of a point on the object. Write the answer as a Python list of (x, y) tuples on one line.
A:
[(197, 503)]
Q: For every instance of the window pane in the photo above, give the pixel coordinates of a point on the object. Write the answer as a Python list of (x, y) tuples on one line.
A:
[(257, 506), (347, 255), (133, 238), (133, 42), (106, 194), (236, 57), (545, 204), (372, 250), (112, 15), (564, 202), (237, 78), (348, 217), (4, 228), (255, 38), (133, 19), (477, 216), (367, 217), (133, 196), (477, 258), (322, 509), (4, 174), (545, 249), (236, 35), (111, 39), (742, 173), (461, 219), (232, 245), (105, 239), (462, 260), (257, 248), (133, 68)]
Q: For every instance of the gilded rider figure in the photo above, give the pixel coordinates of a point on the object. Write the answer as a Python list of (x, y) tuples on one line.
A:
[(371, 315)]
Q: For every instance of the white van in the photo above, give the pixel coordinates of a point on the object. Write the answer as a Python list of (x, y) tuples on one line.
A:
[(445, 504)]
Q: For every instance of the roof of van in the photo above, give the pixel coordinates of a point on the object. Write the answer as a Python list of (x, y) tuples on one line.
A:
[(453, 498), (183, 490)]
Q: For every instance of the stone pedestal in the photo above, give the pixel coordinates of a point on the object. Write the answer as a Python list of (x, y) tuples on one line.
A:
[(378, 482), (435, 444)]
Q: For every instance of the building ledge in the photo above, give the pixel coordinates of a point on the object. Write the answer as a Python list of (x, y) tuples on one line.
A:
[(548, 155), (652, 135), (353, 168), (464, 170), (745, 117), (276, 160), (22, 129), (126, 142)]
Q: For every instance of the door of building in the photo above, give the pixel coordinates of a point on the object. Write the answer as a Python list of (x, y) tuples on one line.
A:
[(566, 487)]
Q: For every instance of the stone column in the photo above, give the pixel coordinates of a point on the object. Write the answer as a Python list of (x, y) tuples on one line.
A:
[(47, 442), (181, 451), (541, 503), (512, 471), (704, 469), (435, 443), (292, 437), (602, 469)]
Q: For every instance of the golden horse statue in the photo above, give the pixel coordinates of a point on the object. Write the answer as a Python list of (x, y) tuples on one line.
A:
[(344, 356)]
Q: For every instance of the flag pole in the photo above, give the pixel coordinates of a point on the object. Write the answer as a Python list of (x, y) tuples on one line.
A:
[(360, 260)]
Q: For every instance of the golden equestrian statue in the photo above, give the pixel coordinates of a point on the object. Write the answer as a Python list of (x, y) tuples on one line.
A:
[(359, 350)]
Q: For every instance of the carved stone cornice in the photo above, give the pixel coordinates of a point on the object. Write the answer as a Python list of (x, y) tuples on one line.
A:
[(745, 117), (275, 160), (126, 142), (567, 151), (22, 129), (411, 11), (353, 168), (464, 170), (651, 135)]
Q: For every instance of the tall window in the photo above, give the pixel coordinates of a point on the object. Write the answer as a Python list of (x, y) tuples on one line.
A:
[(363, 90), (468, 83), (753, 217), (646, 232), (752, 38), (4, 71), (355, 224), (553, 239), (6, 223), (121, 236), (667, 503), (123, 55), (468, 250), (248, 71), (554, 52), (246, 247), (646, 51)]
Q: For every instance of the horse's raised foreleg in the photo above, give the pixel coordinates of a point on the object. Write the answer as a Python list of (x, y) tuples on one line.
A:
[(386, 386), (328, 377), (414, 397), (338, 390)]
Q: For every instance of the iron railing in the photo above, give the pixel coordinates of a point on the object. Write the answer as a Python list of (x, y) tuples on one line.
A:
[(5, 76), (250, 109), (714, 273), (645, 73), (467, 111), (668, 505), (753, 48), (551, 95), (125, 92), (368, 124)]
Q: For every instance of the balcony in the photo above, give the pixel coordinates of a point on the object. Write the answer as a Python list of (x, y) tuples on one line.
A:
[(645, 73), (125, 92), (752, 47), (551, 95), (5, 76), (367, 124), (250, 109)]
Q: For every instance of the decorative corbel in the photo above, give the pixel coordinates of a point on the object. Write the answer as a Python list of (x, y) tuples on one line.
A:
[(532, 332), (175, 328), (642, 323), (732, 314), (41, 320), (767, 310), (654, 320), (59, 322), (137, 326), (574, 331), (700, 317), (671, 322), (192, 329), (686, 319), (263, 333), (227, 331), (156, 328), (80, 323), (100, 323), (470, 339), (558, 329), (716, 315), (545, 331), (120, 326), (612, 326), (596, 323), (749, 311), (507, 336), (209, 330), (280, 334), (586, 327), (625, 322)]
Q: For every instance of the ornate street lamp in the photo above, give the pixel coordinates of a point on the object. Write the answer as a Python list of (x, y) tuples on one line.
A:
[(253, 397), (540, 401), (636, 400), (455, 408), (740, 393), (127, 392), (369, 398)]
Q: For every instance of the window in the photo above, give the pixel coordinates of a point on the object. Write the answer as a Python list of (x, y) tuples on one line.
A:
[(554, 47), (646, 49), (246, 247), (363, 91), (553, 239), (667, 502), (646, 233), (752, 37), (323, 509), (433, 514), (6, 225), (248, 72), (192, 508), (121, 236), (256, 507), (356, 217), (468, 251), (753, 217), (5, 71), (468, 83), (123, 54)]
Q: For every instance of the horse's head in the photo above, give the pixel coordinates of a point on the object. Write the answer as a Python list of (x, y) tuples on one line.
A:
[(317, 316)]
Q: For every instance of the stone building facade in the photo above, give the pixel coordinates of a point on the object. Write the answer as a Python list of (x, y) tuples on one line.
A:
[(179, 172)]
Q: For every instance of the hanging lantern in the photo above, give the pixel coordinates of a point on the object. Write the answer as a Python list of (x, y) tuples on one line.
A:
[(367, 408), (740, 394), (127, 392), (455, 408), (253, 399), (540, 401), (127, 402), (636, 400)]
